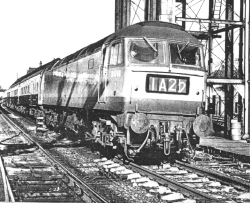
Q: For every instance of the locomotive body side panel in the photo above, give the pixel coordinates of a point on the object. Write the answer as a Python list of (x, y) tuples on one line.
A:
[(76, 85), (72, 85)]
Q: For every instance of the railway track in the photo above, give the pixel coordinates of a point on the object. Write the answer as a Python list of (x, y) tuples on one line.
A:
[(166, 181), (35, 175), (82, 162), (178, 179), (180, 182), (213, 170), (82, 169), (171, 186)]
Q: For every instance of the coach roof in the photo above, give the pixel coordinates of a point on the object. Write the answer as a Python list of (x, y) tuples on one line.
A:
[(34, 72)]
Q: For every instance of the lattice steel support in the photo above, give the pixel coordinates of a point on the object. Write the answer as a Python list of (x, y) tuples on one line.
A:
[(247, 64), (152, 10), (240, 60), (122, 13), (229, 69), (210, 48)]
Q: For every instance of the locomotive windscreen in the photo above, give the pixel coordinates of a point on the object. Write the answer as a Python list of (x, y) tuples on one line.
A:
[(143, 52), (185, 54), (167, 84)]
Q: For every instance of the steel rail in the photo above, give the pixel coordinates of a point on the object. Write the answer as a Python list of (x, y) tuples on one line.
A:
[(220, 177), (12, 198), (88, 192), (187, 191), (6, 192)]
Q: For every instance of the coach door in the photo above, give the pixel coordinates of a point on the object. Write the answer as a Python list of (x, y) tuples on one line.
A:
[(103, 73)]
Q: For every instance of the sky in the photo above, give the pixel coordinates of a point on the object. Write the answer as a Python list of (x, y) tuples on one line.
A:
[(41, 30)]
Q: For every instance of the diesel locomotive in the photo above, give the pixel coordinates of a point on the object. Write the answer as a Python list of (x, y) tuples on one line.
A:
[(139, 90)]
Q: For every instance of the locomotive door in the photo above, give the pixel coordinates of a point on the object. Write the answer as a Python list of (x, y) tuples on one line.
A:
[(103, 73)]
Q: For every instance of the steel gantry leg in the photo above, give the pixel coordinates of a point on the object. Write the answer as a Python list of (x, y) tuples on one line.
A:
[(247, 91), (122, 13), (229, 69)]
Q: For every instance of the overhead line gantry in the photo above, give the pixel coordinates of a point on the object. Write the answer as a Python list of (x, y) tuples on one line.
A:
[(225, 23)]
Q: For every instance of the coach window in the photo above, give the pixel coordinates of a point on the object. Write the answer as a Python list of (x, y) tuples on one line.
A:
[(116, 54)]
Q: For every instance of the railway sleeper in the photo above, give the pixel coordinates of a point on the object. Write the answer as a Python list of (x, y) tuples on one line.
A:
[(46, 194), (39, 188), (31, 170), (50, 199), (202, 183), (150, 185), (31, 175), (27, 165), (38, 162), (27, 158), (35, 177), (36, 182)]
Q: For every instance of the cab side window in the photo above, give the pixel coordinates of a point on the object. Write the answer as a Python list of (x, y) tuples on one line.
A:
[(116, 54)]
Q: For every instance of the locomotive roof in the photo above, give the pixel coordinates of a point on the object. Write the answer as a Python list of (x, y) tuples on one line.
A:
[(155, 29), (34, 72), (149, 29)]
